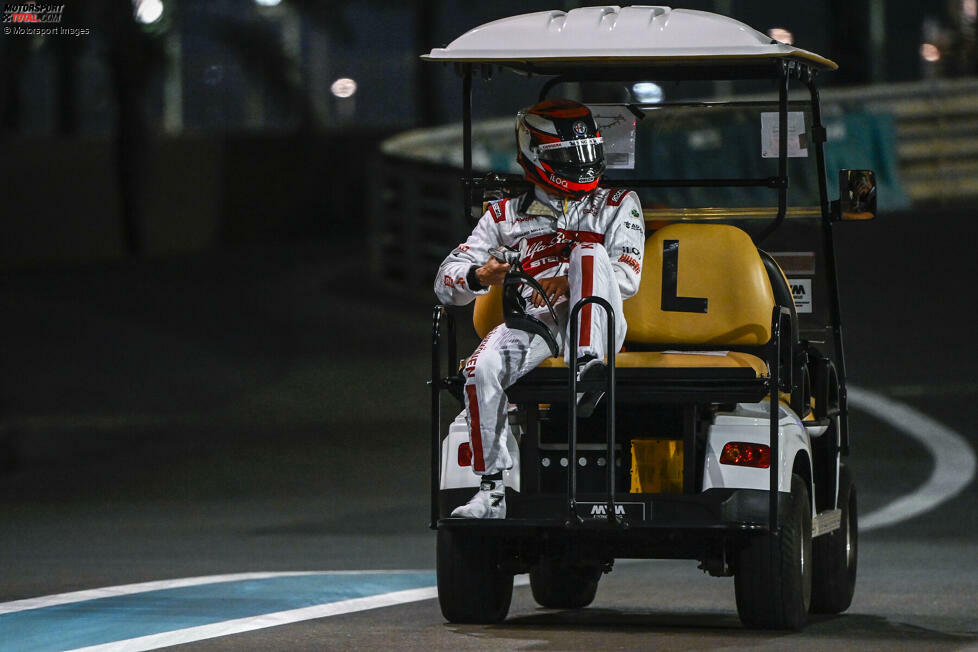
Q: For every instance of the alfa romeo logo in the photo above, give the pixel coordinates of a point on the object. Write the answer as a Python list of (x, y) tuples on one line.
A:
[(580, 128)]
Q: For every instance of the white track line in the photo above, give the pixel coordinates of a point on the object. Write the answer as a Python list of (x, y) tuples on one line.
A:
[(239, 625), (954, 459)]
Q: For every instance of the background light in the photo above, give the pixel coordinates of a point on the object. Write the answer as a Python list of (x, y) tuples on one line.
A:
[(648, 92), (930, 52), (969, 9), (268, 3), (781, 34), (148, 11), (343, 87)]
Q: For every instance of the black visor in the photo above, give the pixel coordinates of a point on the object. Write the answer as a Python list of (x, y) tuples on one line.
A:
[(583, 151)]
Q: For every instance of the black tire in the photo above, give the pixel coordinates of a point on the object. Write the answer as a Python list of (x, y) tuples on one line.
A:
[(472, 588), (834, 555), (557, 586), (773, 577)]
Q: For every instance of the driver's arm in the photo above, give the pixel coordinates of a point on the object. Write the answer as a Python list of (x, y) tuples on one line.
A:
[(625, 244), (457, 282)]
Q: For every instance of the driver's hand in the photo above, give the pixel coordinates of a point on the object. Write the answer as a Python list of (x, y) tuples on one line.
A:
[(492, 273), (555, 287)]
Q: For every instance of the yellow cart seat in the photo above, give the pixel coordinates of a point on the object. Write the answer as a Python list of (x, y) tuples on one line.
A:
[(680, 360), (716, 263)]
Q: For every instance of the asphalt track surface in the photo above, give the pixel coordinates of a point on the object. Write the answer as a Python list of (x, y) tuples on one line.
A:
[(258, 411)]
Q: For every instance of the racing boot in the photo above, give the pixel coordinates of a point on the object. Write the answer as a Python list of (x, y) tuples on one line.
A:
[(589, 368), (488, 502)]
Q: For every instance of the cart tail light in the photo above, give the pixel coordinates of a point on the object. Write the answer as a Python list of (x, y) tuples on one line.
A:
[(464, 454), (740, 453)]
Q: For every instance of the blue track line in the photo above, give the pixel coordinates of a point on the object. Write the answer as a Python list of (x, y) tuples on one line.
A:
[(105, 620)]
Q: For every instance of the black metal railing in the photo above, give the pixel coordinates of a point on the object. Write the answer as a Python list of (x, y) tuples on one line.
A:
[(573, 517)]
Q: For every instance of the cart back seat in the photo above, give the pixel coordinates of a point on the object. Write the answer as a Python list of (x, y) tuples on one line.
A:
[(704, 285)]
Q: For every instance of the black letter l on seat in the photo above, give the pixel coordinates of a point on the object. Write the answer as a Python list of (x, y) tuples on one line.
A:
[(670, 282)]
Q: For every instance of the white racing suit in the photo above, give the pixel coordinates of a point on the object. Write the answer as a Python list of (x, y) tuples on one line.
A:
[(597, 242)]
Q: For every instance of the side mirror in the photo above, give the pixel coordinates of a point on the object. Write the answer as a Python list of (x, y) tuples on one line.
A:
[(857, 195)]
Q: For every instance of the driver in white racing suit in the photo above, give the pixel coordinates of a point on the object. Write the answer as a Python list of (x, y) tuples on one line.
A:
[(577, 240)]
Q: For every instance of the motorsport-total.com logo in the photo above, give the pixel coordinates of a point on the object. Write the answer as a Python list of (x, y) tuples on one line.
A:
[(31, 13), (36, 19)]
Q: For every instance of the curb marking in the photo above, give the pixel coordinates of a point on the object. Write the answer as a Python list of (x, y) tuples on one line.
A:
[(151, 615), (954, 459)]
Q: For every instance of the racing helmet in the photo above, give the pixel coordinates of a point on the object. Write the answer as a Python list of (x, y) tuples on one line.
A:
[(560, 148)]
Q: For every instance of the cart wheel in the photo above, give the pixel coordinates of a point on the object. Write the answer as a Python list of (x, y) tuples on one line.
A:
[(834, 555), (472, 588), (773, 579), (558, 586)]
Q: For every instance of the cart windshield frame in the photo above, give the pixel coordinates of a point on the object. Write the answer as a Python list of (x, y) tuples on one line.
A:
[(783, 70)]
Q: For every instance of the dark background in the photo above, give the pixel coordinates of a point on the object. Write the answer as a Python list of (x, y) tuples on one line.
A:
[(215, 126), (199, 373)]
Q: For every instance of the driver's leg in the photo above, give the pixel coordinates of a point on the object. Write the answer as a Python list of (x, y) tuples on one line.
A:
[(591, 274), (503, 357)]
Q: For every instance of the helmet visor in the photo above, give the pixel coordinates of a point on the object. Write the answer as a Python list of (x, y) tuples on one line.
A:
[(582, 151)]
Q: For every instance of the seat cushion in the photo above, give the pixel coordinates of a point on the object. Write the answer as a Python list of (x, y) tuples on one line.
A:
[(681, 360), (703, 284)]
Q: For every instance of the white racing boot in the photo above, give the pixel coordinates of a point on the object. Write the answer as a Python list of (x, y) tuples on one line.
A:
[(589, 368), (488, 502)]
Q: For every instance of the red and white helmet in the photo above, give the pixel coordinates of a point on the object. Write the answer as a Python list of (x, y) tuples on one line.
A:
[(560, 147)]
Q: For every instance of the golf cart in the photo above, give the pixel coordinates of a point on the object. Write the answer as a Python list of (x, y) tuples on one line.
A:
[(721, 434)]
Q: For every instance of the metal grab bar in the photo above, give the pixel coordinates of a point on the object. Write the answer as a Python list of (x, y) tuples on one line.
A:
[(776, 359), (437, 384), (573, 517)]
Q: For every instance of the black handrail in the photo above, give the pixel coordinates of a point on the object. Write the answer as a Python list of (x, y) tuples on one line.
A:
[(467, 135), (665, 69), (437, 384), (573, 517), (783, 88), (517, 182), (776, 361), (828, 243)]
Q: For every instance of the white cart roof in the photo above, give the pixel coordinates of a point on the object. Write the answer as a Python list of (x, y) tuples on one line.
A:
[(637, 34)]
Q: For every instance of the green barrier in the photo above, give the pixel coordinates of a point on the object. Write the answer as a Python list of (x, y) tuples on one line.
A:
[(729, 145), (866, 141)]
